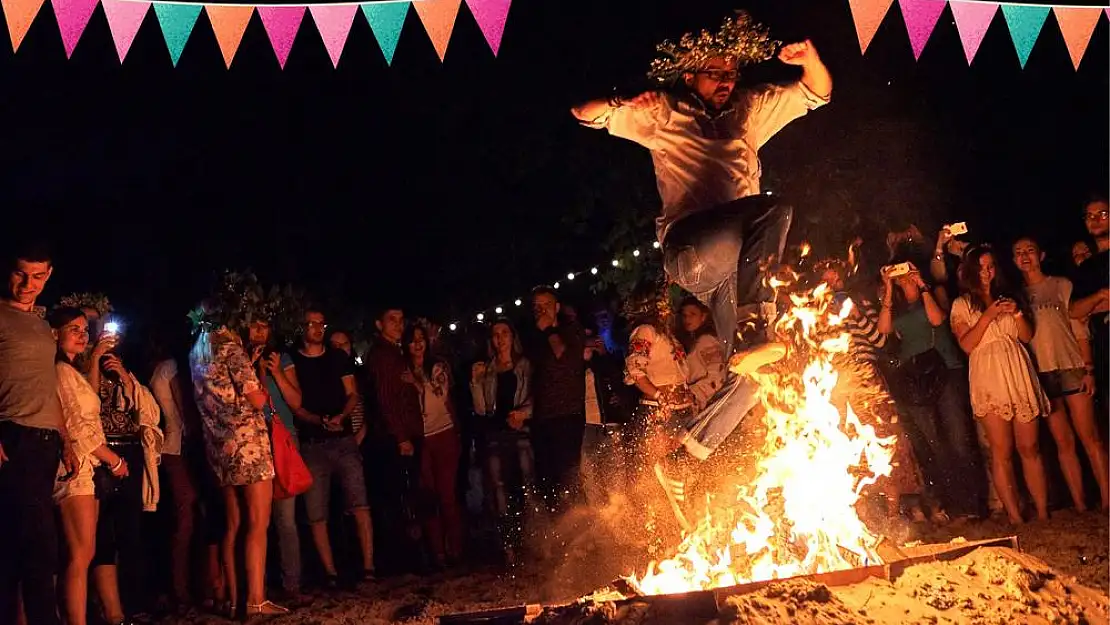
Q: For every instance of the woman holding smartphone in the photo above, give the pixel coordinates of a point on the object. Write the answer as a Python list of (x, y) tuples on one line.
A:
[(1005, 393), (76, 493)]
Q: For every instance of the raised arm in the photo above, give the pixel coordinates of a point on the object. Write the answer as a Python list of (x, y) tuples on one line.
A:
[(815, 76)]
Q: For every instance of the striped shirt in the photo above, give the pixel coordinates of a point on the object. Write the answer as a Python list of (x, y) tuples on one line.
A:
[(864, 331)]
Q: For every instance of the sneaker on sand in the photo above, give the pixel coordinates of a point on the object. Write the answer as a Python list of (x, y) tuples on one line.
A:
[(748, 361), (671, 472)]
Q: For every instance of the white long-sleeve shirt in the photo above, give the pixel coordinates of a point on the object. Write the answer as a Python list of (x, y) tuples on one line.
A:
[(707, 158)]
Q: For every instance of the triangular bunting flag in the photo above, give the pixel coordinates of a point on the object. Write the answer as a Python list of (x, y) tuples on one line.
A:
[(1025, 23), (972, 21), (386, 20), (20, 14), (177, 21), (868, 14), (490, 15), (438, 17), (921, 18), (124, 20), (282, 24), (229, 22), (1077, 24), (73, 16), (333, 21)]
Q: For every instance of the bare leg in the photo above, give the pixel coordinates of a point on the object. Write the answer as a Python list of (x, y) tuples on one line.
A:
[(107, 588), (1029, 449), (1064, 436), (1081, 407), (365, 537), (258, 497), (227, 545), (323, 546), (1000, 436), (79, 524)]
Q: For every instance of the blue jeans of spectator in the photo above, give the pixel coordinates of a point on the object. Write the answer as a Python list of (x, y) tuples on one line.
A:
[(717, 254), (284, 517), (943, 438), (339, 457)]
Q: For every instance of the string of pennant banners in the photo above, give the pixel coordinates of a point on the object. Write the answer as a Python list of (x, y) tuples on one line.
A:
[(281, 22), (1025, 23)]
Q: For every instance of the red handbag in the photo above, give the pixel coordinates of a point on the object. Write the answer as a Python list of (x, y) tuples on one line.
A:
[(293, 476)]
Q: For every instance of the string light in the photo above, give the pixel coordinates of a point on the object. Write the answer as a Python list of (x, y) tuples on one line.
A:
[(571, 275)]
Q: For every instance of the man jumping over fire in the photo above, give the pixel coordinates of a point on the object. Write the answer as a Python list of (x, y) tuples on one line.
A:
[(718, 232)]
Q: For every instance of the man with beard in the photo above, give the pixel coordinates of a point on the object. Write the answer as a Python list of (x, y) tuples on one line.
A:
[(328, 397), (718, 232)]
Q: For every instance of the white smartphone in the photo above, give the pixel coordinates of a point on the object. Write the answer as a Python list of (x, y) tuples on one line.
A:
[(958, 228), (894, 271)]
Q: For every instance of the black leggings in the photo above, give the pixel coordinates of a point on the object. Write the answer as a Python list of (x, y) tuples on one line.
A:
[(119, 528)]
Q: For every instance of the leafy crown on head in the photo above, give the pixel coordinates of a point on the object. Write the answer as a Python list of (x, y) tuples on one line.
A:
[(96, 301), (740, 40), (240, 300)]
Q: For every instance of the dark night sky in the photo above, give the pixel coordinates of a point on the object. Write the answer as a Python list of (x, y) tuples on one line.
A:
[(447, 184)]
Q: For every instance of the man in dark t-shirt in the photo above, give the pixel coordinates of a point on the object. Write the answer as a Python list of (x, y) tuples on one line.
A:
[(328, 397), (1090, 294)]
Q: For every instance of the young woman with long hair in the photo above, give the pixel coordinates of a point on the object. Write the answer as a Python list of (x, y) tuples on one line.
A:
[(1066, 370), (1005, 394)]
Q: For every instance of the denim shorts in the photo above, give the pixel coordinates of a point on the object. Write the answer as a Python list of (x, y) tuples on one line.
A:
[(1062, 382), (334, 456)]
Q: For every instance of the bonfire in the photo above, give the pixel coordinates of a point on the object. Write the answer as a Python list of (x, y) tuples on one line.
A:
[(797, 516)]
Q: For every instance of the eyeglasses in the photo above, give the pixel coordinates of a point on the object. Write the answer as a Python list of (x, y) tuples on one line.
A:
[(1098, 215), (721, 75), (315, 324)]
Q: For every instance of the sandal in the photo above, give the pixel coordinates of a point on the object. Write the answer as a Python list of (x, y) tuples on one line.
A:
[(266, 607)]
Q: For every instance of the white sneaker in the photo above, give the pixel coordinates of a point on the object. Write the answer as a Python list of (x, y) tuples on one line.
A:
[(749, 361)]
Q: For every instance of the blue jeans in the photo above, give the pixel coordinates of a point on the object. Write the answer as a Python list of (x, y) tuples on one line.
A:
[(284, 517), (944, 441), (717, 254), (333, 456), (709, 428)]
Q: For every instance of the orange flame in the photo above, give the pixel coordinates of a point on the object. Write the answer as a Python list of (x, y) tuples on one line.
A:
[(797, 516)]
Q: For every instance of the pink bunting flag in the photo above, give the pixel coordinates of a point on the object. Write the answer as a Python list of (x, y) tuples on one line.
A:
[(1077, 24), (921, 18), (333, 21), (491, 16), (438, 17), (282, 24), (73, 16), (124, 20), (973, 19), (868, 15)]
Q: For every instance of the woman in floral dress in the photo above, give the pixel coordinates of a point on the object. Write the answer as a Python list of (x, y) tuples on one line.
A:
[(230, 400)]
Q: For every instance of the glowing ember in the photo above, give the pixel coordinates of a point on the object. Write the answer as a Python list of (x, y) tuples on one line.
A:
[(797, 516)]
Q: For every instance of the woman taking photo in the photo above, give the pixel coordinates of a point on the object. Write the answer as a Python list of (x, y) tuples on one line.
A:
[(1005, 393), (1066, 375), (76, 494), (502, 396), (230, 400), (439, 451)]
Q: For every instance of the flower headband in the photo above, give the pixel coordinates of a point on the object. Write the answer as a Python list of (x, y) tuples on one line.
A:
[(741, 40)]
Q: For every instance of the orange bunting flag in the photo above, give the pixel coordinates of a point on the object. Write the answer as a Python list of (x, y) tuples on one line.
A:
[(868, 15), (229, 22), (1077, 24), (20, 14), (438, 17)]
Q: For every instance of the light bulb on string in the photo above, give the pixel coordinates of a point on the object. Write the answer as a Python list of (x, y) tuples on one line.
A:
[(570, 276), (655, 244), (518, 302), (481, 316), (556, 285), (593, 271), (452, 327), (497, 310), (635, 252), (616, 262)]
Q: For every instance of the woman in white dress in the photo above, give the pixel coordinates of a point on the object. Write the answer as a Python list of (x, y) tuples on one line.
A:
[(1066, 371), (1005, 393), (76, 494)]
